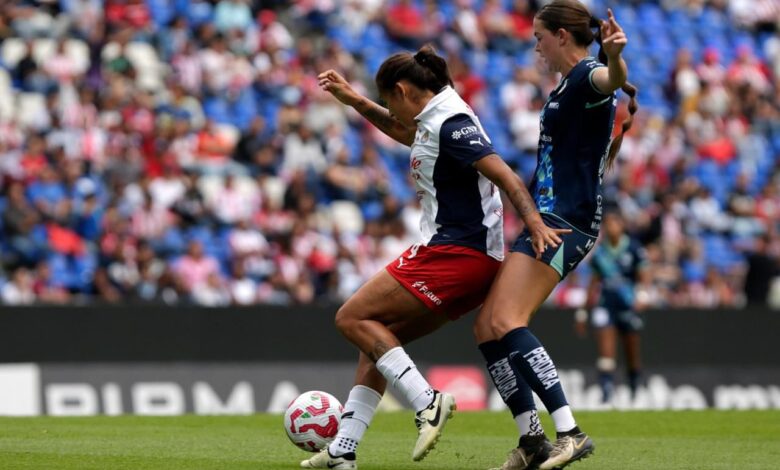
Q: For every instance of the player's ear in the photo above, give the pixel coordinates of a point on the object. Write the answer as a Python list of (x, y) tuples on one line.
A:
[(401, 90), (563, 36)]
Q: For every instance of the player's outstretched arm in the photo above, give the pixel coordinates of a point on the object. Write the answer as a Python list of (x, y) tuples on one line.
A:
[(613, 41), (332, 82), (496, 170)]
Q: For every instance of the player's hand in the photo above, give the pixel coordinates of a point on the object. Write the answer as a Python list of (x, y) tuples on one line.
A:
[(613, 39), (543, 237), (332, 82)]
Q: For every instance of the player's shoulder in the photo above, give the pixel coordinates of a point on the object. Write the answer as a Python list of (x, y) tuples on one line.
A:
[(583, 71), (459, 126)]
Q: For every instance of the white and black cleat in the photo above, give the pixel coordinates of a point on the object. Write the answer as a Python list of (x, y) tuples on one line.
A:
[(430, 423), (567, 450), (325, 460), (529, 454)]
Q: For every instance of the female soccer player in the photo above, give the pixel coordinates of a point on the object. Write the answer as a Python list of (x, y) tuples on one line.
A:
[(618, 263), (574, 150), (449, 273)]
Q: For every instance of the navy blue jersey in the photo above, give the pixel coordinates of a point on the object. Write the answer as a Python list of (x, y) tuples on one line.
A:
[(618, 267), (576, 127)]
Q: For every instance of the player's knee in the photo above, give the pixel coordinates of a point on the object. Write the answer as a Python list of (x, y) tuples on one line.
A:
[(503, 324), (482, 330), (344, 320)]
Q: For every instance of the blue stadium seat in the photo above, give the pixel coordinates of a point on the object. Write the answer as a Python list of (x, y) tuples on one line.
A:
[(244, 109), (162, 11), (217, 109)]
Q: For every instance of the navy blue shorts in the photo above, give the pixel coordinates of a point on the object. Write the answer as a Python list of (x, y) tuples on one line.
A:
[(626, 321), (565, 259)]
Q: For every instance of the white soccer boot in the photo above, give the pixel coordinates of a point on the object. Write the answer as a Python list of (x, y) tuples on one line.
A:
[(430, 423), (325, 460), (568, 449)]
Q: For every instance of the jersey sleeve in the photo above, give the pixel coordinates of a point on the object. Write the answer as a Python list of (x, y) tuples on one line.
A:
[(461, 139), (592, 94)]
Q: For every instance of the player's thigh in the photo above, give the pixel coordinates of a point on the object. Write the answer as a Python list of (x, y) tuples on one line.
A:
[(521, 287), (382, 299)]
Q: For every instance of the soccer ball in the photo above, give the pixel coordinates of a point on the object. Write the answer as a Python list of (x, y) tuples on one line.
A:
[(312, 420)]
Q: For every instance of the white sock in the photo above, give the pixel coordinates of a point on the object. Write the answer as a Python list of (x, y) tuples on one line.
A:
[(358, 413), (563, 419), (399, 370), (528, 423)]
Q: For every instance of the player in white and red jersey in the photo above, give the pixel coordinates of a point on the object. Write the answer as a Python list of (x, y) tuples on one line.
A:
[(456, 173)]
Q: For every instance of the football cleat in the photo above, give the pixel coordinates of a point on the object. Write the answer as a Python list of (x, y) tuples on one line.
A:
[(529, 454), (568, 449), (325, 460), (430, 423)]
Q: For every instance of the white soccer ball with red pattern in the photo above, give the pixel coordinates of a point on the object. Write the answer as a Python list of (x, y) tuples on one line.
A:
[(312, 420)]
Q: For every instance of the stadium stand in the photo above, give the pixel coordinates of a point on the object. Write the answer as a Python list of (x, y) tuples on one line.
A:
[(180, 150)]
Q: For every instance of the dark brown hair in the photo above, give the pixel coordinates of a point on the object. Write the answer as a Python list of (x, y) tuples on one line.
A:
[(575, 18), (425, 70)]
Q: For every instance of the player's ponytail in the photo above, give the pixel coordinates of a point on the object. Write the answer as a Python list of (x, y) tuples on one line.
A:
[(628, 88), (425, 69)]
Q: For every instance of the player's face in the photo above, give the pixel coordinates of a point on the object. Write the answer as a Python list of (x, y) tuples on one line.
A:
[(399, 105), (546, 44), (613, 226)]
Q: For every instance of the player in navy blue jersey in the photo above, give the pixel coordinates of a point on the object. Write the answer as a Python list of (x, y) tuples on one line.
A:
[(617, 262), (574, 151), (456, 174)]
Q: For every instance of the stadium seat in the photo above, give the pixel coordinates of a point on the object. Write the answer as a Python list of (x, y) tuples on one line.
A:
[(12, 51), (6, 96), (28, 107)]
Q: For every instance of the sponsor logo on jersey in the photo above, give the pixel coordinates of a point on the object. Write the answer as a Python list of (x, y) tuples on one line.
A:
[(554, 105), (478, 141), (464, 132), (421, 287)]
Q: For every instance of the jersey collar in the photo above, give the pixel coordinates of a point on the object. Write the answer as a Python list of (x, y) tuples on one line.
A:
[(439, 98)]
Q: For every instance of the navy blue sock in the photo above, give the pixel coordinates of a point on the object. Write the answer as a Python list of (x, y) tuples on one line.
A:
[(607, 384), (634, 376), (513, 389), (530, 359)]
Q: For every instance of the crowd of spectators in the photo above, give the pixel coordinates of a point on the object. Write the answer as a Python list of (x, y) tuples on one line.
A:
[(180, 151)]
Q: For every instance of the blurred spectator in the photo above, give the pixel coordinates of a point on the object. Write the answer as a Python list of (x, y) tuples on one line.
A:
[(303, 151), (230, 204), (762, 269), (19, 289), (195, 270), (19, 222), (130, 130), (212, 293), (232, 15), (405, 24), (243, 289)]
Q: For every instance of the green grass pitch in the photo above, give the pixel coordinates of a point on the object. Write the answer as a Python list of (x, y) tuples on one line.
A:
[(692, 440)]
